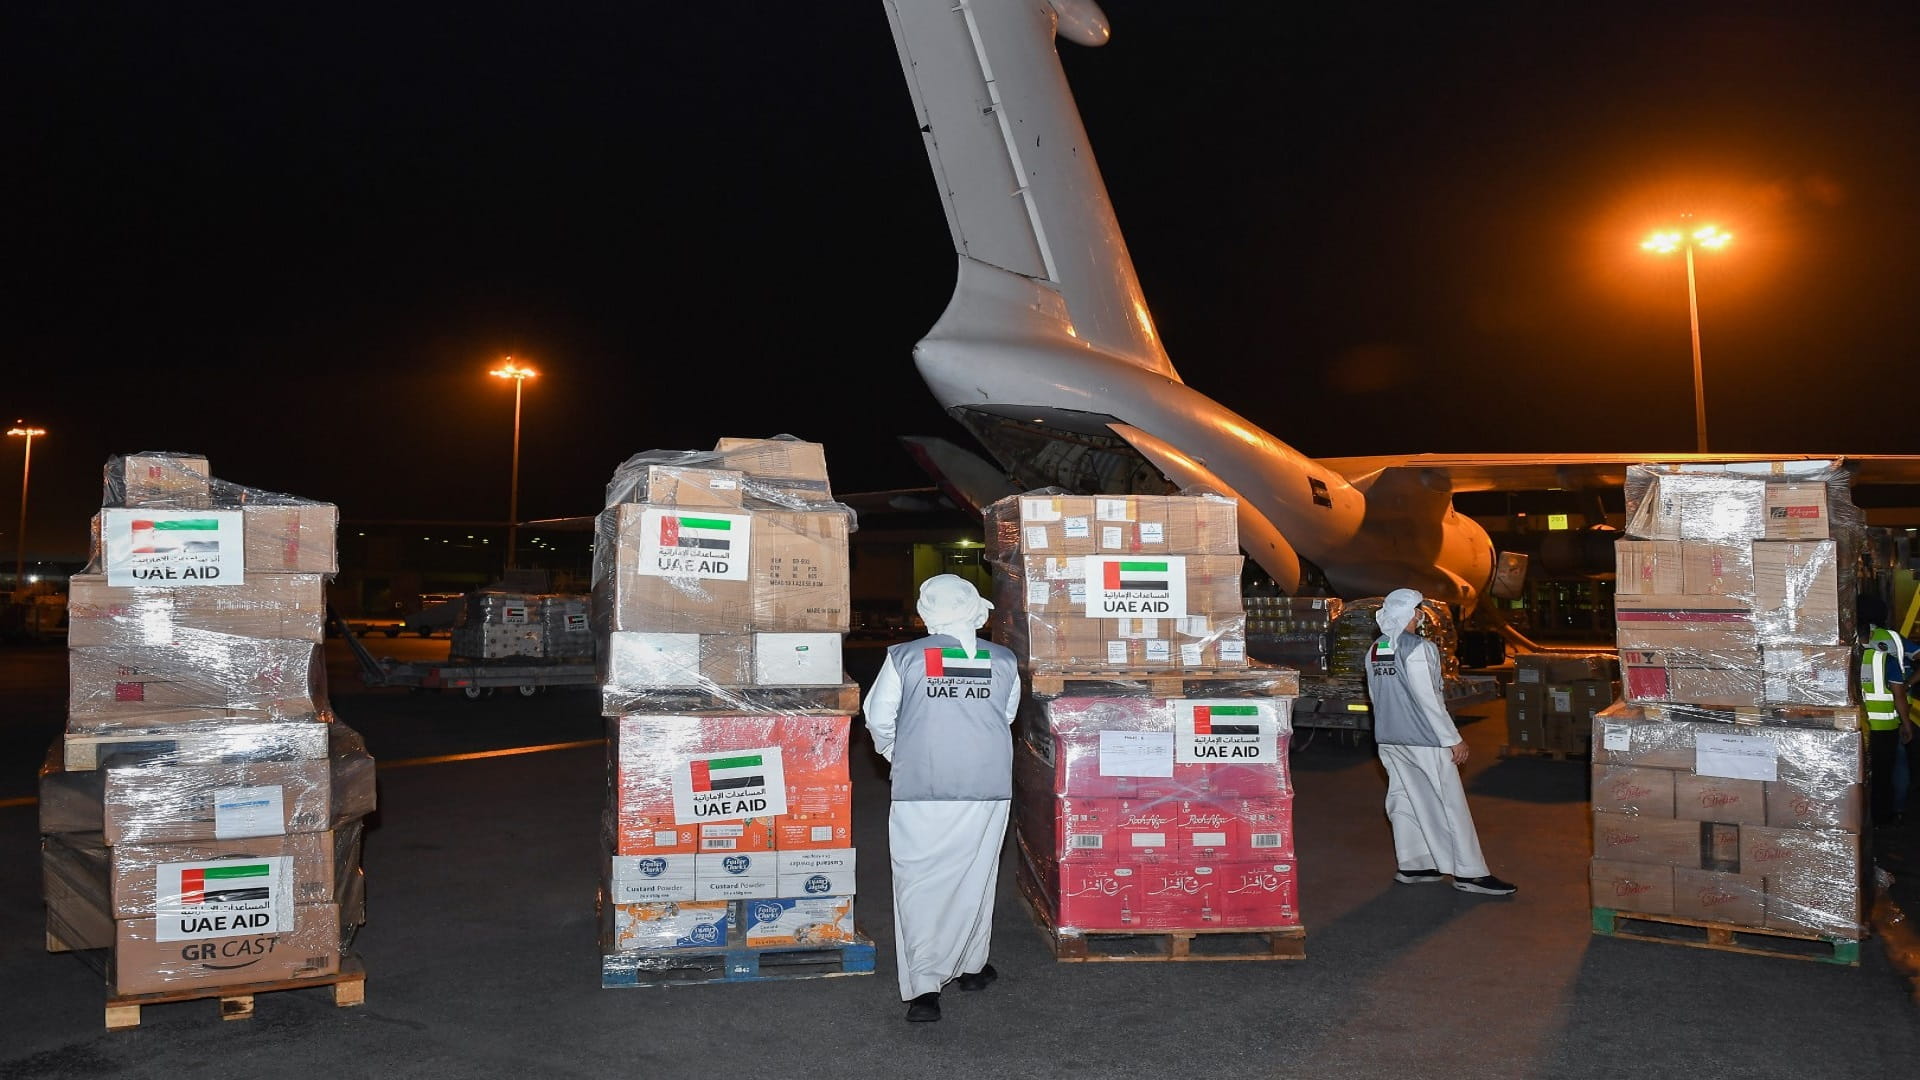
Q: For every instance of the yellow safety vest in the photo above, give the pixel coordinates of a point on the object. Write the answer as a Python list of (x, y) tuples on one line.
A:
[(1876, 692)]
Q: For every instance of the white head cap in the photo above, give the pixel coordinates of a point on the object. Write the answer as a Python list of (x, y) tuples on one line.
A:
[(950, 605), (1398, 610)]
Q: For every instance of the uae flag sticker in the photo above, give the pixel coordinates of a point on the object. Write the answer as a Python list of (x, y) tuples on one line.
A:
[(1137, 575), (1226, 719), (226, 884), (706, 534), (956, 664), (719, 774)]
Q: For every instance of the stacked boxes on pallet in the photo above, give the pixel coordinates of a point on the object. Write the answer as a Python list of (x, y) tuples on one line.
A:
[(1554, 697), (202, 816), (497, 625), (1294, 631), (1136, 812), (720, 600), (1728, 784)]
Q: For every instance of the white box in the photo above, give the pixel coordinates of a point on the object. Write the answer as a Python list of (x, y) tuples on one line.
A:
[(811, 920), (818, 872), (740, 875), (652, 879), (636, 659), (796, 660)]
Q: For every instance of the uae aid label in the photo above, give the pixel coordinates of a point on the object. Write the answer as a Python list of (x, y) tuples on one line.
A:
[(694, 544), (729, 784), (953, 673), (223, 898), (173, 547), (1124, 587), (1236, 730)]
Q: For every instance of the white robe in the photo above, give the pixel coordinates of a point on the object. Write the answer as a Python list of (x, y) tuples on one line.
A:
[(946, 869), (1432, 827)]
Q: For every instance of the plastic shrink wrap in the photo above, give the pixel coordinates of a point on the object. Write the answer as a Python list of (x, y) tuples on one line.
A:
[(720, 601)]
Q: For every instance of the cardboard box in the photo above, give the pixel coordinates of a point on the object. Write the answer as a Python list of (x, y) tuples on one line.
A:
[(634, 661), (209, 742), (291, 538), (1057, 525), (1797, 598), (797, 660), (1698, 623), (1694, 506), (142, 964), (145, 878), (1531, 695), (1102, 894), (1635, 791), (1814, 853), (651, 577), (1714, 798), (1560, 700), (679, 925), (650, 879), (1592, 695), (1180, 893), (818, 829), (175, 804), (819, 872), (1564, 736), (799, 571), (1646, 888), (1799, 804), (1715, 896), (1674, 676), (78, 913), (799, 921), (1797, 511), (784, 470), (638, 833), (1635, 735), (1647, 568), (287, 606), (111, 687), (1526, 725), (739, 876), (159, 481), (1215, 524), (1142, 524), (1717, 568), (679, 485), (1809, 674), (1620, 838), (1260, 892)]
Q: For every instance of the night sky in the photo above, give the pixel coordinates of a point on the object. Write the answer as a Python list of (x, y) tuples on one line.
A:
[(294, 237)]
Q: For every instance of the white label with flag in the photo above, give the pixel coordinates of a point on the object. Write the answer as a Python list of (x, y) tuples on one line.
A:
[(686, 543), (726, 784), (223, 898), (1129, 586), (1236, 730), (514, 614), (173, 547), (249, 811)]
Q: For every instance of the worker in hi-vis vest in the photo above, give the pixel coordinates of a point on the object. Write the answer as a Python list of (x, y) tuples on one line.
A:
[(1433, 834), (1883, 698), (940, 711)]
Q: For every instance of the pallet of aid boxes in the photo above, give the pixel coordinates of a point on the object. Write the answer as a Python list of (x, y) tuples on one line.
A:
[(1153, 805), (1553, 699), (720, 601), (1728, 784), (202, 815)]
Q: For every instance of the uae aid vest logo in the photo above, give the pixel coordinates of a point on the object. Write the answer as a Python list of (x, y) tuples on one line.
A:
[(1119, 587), (705, 545), (725, 785)]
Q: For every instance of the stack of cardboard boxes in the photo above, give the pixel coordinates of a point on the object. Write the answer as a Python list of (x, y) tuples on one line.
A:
[(1554, 697), (1294, 631), (1728, 784), (202, 815), (497, 625), (720, 601), (1136, 812)]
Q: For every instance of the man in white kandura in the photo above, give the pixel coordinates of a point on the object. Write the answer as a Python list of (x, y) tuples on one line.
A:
[(940, 711), (1433, 835)]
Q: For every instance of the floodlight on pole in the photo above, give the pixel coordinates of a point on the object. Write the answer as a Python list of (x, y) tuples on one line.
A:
[(20, 428), (519, 374), (1711, 237)]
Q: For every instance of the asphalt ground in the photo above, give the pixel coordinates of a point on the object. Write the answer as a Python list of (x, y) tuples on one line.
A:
[(482, 958)]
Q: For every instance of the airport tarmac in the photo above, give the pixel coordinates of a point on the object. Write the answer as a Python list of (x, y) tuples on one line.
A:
[(482, 960)]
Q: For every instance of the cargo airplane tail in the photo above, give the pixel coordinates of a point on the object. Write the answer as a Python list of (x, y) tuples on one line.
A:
[(1048, 355)]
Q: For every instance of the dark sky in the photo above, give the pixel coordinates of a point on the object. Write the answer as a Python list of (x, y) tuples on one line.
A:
[(294, 236)]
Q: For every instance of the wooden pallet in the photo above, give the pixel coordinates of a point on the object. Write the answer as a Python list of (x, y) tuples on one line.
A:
[(236, 1002), (1210, 682), (1512, 751), (1163, 946), (841, 700), (1726, 937), (736, 963)]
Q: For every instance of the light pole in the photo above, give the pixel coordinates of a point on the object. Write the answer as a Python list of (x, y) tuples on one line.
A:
[(510, 370), (1666, 243), (26, 473)]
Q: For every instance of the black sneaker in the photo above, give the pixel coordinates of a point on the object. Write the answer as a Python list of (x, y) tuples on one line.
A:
[(924, 1009), (978, 980), (1486, 886), (1418, 877)]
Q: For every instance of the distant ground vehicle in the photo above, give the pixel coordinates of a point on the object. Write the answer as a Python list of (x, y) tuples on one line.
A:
[(439, 611), (473, 678)]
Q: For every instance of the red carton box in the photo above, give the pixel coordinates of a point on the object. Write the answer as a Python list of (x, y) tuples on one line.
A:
[(1100, 895), (1260, 893), (1180, 894)]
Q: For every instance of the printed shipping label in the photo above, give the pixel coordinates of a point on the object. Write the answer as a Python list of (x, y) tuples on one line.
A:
[(1121, 586), (1110, 536), (1036, 538), (173, 547), (729, 784), (1136, 753), (1159, 651), (223, 898), (1736, 757), (1237, 730), (1153, 532), (1111, 510), (1036, 592), (694, 544), (1076, 528), (1039, 510), (249, 811), (1117, 653), (1617, 737)]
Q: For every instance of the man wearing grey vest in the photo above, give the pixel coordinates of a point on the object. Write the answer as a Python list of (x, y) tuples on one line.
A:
[(1433, 834), (940, 711)]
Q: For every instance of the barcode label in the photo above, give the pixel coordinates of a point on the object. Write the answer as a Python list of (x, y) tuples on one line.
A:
[(1264, 840), (314, 963), (1086, 840), (718, 843)]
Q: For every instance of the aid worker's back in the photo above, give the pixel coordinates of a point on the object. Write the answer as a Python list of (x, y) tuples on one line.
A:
[(1393, 665), (952, 742)]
